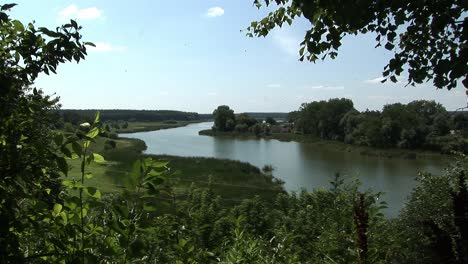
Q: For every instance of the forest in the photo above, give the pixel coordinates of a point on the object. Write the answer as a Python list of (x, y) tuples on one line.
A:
[(419, 124), (80, 116), (46, 217)]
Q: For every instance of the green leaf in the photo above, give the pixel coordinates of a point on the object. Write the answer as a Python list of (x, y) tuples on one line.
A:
[(154, 173), (96, 119), (66, 151), (89, 44), (57, 209), (88, 175), (93, 133), (98, 158), (160, 164), (18, 25), (67, 183), (74, 24), (7, 6), (389, 46), (62, 164), (77, 148), (72, 202), (64, 217), (93, 192)]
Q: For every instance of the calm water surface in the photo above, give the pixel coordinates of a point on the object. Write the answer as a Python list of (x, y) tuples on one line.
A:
[(300, 165)]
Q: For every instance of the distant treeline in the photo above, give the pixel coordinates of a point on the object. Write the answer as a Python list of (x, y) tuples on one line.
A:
[(76, 116), (418, 124), (263, 116)]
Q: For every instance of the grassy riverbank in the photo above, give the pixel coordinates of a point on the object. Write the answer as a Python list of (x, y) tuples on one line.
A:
[(336, 145), (232, 180), (134, 127)]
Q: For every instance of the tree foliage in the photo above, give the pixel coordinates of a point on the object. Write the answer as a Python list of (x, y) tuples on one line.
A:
[(428, 38), (29, 163), (419, 124), (224, 118)]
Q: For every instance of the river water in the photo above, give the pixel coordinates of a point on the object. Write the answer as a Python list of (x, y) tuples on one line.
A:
[(299, 165)]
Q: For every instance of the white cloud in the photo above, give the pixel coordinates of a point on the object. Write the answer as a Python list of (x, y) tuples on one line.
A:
[(73, 12), (215, 11), (288, 43), (378, 80), (326, 87), (106, 47), (274, 85)]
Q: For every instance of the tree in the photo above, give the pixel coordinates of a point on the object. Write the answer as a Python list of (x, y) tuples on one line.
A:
[(224, 118), (427, 37), (245, 119), (29, 163)]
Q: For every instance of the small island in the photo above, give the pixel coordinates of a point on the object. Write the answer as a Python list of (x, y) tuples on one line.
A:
[(412, 130)]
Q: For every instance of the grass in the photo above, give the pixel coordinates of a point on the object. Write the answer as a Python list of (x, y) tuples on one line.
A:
[(103, 177), (232, 180), (333, 144), (134, 127)]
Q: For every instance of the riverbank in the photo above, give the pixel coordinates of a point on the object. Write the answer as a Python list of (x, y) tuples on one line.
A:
[(134, 127), (232, 180), (332, 144)]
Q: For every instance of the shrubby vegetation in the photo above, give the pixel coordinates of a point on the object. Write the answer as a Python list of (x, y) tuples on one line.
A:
[(420, 124)]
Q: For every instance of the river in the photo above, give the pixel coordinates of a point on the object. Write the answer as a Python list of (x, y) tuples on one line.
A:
[(299, 165)]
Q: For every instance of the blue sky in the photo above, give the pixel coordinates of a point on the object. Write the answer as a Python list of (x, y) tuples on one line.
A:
[(192, 56)]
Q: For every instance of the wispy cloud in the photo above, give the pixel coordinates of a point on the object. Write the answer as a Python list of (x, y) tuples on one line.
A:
[(287, 42), (73, 12), (274, 85), (378, 80), (106, 47), (215, 11), (326, 87)]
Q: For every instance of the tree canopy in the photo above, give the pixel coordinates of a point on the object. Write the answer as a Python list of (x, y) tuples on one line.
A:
[(224, 118), (427, 38), (419, 124)]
